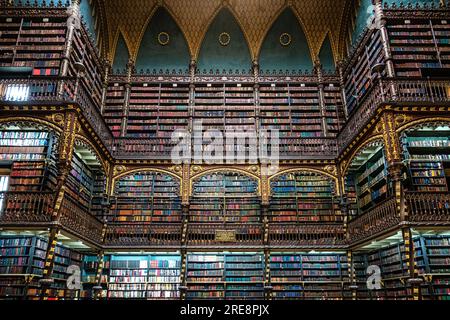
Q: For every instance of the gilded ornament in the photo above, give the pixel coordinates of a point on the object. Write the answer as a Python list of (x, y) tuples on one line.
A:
[(163, 38), (285, 39), (224, 39)]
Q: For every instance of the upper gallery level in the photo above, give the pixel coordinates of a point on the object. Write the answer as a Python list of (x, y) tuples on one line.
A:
[(142, 86)]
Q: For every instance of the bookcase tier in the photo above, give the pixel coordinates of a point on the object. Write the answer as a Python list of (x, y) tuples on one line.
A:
[(146, 197), (303, 197), (22, 263)]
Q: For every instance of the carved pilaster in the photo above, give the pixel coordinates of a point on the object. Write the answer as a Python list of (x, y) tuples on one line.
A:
[(126, 104), (107, 68), (255, 70), (97, 289), (183, 284), (342, 86), (185, 184), (66, 149), (73, 23), (267, 283), (351, 274), (185, 224), (265, 186), (265, 221), (47, 281), (318, 68), (381, 24), (192, 70), (394, 159), (413, 281)]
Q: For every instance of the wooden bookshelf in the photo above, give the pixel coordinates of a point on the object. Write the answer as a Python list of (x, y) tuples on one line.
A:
[(21, 265), (114, 107), (244, 276), (303, 197), (33, 42), (32, 158), (225, 107), (146, 197), (84, 52), (428, 154), (225, 197), (359, 77), (204, 276), (433, 258), (152, 277), (371, 181), (88, 276), (308, 276), (225, 276), (419, 46)]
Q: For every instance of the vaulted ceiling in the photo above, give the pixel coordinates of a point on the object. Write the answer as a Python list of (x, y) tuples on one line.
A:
[(318, 18)]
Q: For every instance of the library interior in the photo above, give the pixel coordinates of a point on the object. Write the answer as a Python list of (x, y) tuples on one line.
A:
[(351, 203)]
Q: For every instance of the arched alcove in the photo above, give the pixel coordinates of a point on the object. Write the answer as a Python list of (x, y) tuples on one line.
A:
[(366, 181), (304, 197), (121, 55), (285, 46), (224, 46), (225, 196), (145, 197), (163, 45)]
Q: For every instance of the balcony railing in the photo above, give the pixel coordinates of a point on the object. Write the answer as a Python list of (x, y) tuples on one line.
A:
[(77, 219), (48, 90), (307, 235), (27, 208), (378, 219), (127, 234), (392, 91), (428, 207)]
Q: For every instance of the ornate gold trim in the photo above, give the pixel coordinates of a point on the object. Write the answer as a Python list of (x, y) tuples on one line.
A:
[(344, 164), (224, 169), (163, 34), (304, 169), (422, 120), (43, 122), (289, 39), (227, 41), (144, 169)]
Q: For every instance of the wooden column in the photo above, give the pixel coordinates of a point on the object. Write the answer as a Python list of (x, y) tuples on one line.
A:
[(192, 70), (97, 289), (318, 68), (66, 148), (255, 68), (267, 283), (414, 282), (107, 68), (265, 201), (381, 25), (342, 85), (73, 23), (394, 160), (351, 274), (183, 284), (126, 103)]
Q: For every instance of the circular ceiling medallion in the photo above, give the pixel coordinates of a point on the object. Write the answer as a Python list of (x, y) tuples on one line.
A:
[(285, 39), (224, 38), (163, 38)]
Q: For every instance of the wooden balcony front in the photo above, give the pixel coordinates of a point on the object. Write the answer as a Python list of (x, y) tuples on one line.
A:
[(428, 208), (376, 221), (307, 235)]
